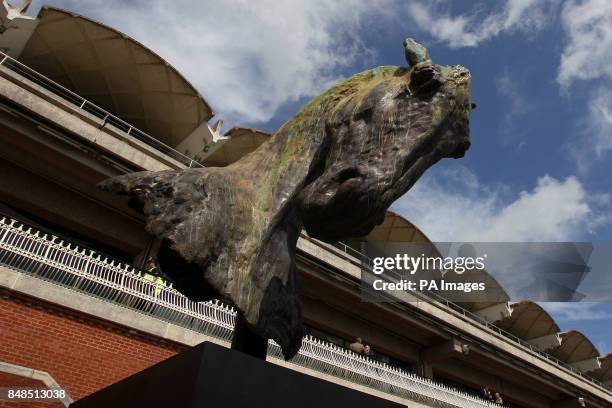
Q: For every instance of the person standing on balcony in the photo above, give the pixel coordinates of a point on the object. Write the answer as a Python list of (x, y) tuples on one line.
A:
[(357, 346), (490, 396), (486, 393), (159, 284), (151, 267), (153, 274)]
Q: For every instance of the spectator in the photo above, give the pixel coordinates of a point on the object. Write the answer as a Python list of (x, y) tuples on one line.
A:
[(151, 267), (499, 399), (489, 395), (357, 346), (154, 275), (367, 350)]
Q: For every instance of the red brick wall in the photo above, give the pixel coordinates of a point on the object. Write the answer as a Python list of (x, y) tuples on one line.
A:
[(81, 353)]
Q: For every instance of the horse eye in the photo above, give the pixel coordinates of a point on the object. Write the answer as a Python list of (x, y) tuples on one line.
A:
[(403, 93)]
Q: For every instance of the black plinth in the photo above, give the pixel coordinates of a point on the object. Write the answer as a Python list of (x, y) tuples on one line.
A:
[(209, 375)]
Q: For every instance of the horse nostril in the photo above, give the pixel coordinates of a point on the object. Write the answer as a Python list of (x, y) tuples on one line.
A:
[(461, 149)]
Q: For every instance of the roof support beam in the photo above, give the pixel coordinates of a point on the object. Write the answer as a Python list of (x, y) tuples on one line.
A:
[(17, 27), (495, 313), (204, 139), (589, 364), (547, 342)]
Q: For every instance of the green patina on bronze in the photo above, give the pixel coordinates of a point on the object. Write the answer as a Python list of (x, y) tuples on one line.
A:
[(333, 169), (415, 52)]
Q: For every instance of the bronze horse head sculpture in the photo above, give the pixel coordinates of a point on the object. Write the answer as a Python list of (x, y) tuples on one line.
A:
[(333, 170)]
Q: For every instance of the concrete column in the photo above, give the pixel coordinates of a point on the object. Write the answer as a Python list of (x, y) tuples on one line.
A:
[(575, 402), (423, 369), (440, 352)]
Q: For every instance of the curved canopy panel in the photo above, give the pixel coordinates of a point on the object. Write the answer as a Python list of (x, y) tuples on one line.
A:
[(396, 228), (529, 321), (604, 374), (494, 295), (241, 142), (575, 347), (117, 73)]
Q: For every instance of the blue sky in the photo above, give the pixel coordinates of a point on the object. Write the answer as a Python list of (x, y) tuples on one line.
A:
[(541, 155)]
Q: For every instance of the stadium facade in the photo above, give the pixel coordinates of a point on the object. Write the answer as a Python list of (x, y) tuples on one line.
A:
[(81, 102)]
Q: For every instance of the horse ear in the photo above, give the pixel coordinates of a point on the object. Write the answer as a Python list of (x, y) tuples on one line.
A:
[(415, 52)]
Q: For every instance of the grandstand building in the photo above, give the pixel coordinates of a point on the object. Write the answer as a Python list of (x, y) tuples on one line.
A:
[(81, 102)]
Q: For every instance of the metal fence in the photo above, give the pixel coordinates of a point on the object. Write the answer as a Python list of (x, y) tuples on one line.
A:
[(87, 106), (362, 260), (50, 258)]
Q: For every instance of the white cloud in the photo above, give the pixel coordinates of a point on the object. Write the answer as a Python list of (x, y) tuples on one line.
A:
[(247, 58), (594, 130), (587, 56), (506, 86), (455, 206), (570, 311), (469, 30), (588, 52), (601, 120), (512, 129)]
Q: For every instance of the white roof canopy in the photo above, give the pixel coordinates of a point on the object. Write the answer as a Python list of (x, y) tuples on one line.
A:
[(117, 73)]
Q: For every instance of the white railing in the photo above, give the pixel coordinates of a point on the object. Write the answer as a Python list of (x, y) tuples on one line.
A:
[(49, 257), (337, 361)]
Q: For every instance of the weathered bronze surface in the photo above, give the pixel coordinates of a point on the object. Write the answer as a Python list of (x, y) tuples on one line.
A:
[(333, 169)]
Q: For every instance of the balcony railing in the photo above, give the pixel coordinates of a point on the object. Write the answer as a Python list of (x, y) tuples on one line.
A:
[(87, 106), (50, 258)]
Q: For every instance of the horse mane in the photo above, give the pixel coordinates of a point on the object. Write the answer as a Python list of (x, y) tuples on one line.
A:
[(325, 105)]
